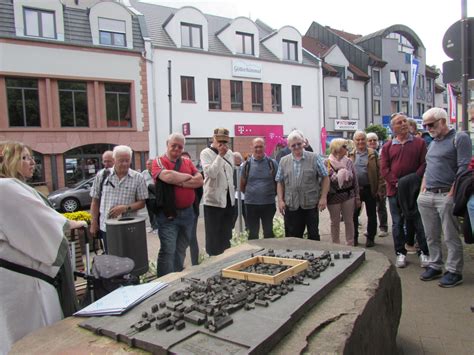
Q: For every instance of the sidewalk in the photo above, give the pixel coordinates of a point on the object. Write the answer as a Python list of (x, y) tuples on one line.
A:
[(434, 320)]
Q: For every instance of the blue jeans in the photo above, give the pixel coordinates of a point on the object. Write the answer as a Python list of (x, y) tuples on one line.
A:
[(398, 228), (470, 210), (175, 235)]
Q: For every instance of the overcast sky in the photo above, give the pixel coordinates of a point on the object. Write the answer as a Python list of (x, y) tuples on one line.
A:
[(430, 19)]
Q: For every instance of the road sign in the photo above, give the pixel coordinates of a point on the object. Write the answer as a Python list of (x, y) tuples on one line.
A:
[(452, 39), (452, 71)]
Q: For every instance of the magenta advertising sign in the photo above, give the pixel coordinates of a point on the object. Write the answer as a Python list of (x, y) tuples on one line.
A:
[(272, 134), (324, 136)]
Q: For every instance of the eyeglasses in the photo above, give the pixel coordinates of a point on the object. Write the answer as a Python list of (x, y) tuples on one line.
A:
[(177, 146), (431, 124), (299, 144)]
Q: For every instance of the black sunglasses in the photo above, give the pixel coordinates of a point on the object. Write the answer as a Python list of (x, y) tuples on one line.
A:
[(296, 145), (430, 125)]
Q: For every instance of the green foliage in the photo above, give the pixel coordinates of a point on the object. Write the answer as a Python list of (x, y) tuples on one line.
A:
[(238, 238), (202, 256), (150, 274), (380, 130), (278, 227)]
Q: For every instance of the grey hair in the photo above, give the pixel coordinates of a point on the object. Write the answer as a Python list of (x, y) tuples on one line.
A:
[(359, 133), (258, 139), (176, 136), (122, 149), (296, 134), (238, 155), (437, 113), (372, 135), (395, 116)]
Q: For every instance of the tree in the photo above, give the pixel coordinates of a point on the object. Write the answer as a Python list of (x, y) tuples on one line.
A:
[(379, 130)]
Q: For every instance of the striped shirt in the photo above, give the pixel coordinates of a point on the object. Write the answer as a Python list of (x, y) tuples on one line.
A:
[(321, 169), (129, 189)]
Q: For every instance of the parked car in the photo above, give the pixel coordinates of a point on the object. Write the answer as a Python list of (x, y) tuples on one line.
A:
[(71, 199)]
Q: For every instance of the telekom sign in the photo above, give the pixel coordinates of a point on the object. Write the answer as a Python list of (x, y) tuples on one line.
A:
[(271, 133)]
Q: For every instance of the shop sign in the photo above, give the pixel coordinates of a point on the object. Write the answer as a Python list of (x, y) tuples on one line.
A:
[(346, 125), (246, 69)]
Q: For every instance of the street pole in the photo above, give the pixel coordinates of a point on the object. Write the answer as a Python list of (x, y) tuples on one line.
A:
[(239, 201), (170, 99), (464, 64)]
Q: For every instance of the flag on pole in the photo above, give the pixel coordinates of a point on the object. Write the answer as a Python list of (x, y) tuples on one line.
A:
[(415, 63), (452, 103)]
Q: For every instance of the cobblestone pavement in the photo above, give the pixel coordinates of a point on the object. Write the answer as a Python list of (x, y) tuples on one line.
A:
[(434, 320)]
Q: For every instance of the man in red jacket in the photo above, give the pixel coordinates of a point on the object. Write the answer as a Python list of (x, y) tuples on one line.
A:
[(403, 155)]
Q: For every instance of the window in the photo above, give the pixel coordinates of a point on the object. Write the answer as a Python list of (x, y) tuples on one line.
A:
[(404, 107), (290, 50), (376, 108), (332, 107), (187, 88), (39, 23), (244, 43), (376, 76), (341, 73), (117, 105), (421, 81), (395, 106), (429, 85), (257, 97), (394, 77), (344, 102), (191, 35), (355, 109), (404, 44), (214, 92), (445, 97), (73, 103), (276, 98), (23, 102), (112, 32), (296, 95), (236, 97), (404, 77)]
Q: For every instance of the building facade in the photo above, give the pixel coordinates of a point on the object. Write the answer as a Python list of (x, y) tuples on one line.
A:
[(73, 84), (211, 71)]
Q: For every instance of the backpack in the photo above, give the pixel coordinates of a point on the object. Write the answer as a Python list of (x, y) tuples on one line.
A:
[(245, 174)]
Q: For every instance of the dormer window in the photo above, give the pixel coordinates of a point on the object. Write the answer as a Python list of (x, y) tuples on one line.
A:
[(245, 43), (191, 35), (39, 23), (112, 32), (290, 50)]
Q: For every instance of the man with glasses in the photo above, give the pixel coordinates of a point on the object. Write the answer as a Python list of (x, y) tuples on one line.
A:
[(258, 183), (403, 164), (119, 191), (302, 188), (218, 199), (175, 227), (448, 157)]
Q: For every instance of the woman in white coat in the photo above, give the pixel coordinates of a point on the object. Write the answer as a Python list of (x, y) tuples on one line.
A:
[(33, 251)]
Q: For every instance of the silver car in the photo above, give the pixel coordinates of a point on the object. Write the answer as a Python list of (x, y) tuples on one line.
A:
[(71, 199)]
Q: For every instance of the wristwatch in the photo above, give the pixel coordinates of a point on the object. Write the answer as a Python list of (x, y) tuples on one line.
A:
[(129, 208)]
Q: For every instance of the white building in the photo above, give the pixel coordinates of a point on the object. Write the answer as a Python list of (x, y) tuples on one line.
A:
[(209, 71)]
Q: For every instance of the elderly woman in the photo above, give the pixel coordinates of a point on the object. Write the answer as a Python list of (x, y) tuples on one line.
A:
[(33, 252), (373, 142), (371, 184), (344, 190)]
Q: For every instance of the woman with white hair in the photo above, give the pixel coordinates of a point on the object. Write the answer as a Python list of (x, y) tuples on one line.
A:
[(344, 190)]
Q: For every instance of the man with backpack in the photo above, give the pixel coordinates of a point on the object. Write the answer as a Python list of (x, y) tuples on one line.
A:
[(258, 183)]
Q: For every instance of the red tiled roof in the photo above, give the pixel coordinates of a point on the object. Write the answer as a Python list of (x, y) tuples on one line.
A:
[(346, 35), (314, 46)]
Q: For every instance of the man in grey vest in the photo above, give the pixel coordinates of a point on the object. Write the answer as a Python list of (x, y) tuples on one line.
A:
[(303, 185), (448, 156)]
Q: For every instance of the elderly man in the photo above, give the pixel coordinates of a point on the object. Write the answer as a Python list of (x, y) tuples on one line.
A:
[(373, 143), (403, 165), (258, 183), (121, 193), (176, 220), (303, 185), (371, 185), (108, 159), (449, 156), (218, 199)]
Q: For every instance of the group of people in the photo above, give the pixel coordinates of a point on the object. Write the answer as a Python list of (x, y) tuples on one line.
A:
[(417, 182)]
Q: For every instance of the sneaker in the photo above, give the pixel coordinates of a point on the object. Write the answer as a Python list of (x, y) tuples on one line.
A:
[(401, 261), (369, 243), (450, 279), (424, 260), (430, 274), (411, 249), (383, 234)]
